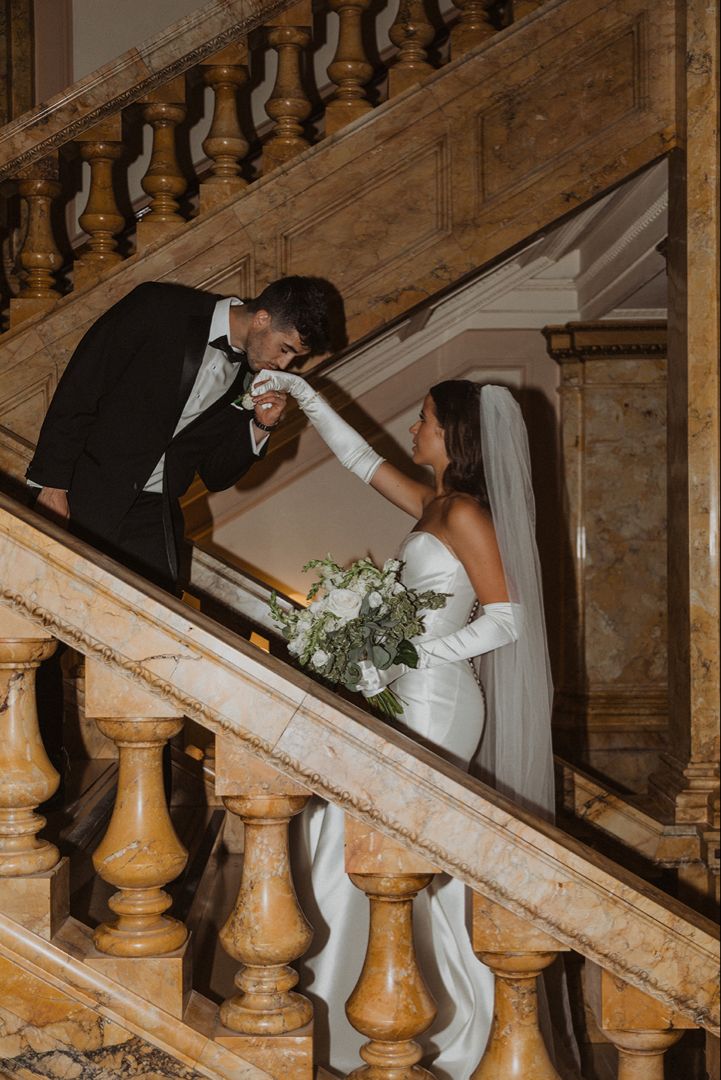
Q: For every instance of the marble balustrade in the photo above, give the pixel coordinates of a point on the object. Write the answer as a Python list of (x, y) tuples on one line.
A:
[(281, 738), (97, 134)]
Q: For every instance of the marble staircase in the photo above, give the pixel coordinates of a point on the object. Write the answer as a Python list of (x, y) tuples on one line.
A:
[(651, 968)]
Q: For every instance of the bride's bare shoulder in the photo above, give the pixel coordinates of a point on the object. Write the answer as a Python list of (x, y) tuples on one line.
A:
[(462, 511)]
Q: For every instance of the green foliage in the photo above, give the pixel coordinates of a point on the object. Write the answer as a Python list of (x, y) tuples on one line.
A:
[(359, 613)]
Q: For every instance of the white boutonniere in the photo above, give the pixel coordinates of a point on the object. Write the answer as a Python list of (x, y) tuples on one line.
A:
[(245, 401)]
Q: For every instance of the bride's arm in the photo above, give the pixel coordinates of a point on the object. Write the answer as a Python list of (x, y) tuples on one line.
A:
[(349, 447)]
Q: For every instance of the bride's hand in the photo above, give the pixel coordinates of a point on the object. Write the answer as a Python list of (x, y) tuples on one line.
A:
[(373, 680), (282, 381)]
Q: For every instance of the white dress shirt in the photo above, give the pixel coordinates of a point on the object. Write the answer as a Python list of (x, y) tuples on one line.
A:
[(215, 375)]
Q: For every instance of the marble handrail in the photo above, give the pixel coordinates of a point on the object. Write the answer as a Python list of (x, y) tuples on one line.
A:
[(232, 589), (375, 774), (127, 78)]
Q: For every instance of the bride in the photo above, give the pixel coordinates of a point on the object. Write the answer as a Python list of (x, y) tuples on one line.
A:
[(473, 540)]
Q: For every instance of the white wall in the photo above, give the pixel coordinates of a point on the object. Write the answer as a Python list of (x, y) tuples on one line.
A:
[(103, 29)]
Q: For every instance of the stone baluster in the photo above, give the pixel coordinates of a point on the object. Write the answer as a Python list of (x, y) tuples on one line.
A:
[(225, 143), (390, 1003), (27, 777), (473, 28), (101, 219), (34, 880), (140, 851), (266, 930), (350, 70), (289, 33), (641, 1028), (40, 258), (517, 953), (411, 33), (164, 182)]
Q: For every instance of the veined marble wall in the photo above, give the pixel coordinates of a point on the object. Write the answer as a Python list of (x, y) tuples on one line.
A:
[(612, 701)]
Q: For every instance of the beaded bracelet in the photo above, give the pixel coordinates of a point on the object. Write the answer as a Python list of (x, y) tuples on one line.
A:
[(265, 427)]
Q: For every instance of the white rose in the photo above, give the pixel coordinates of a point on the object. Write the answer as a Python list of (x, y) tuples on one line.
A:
[(344, 604), (319, 659), (374, 600)]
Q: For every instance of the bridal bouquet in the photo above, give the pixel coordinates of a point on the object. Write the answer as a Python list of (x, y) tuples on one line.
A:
[(357, 614)]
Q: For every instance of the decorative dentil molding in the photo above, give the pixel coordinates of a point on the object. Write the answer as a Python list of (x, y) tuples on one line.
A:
[(602, 340)]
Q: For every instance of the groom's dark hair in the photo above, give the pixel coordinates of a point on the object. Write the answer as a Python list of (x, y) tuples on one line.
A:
[(302, 303)]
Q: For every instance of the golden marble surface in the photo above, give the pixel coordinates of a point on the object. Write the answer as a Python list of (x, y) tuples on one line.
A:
[(612, 709), (284, 1057), (39, 902), (56, 1000), (423, 180), (377, 775), (370, 852), (668, 844), (164, 980), (690, 772)]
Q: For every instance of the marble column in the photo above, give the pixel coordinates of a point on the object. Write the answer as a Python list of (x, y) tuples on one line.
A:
[(612, 711), (689, 771)]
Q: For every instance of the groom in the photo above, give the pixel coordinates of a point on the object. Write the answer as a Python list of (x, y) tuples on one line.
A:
[(154, 393)]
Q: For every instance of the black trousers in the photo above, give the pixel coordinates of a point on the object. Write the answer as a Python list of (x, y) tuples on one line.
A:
[(144, 541)]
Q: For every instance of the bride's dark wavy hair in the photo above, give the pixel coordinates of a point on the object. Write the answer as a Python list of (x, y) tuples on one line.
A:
[(458, 408)]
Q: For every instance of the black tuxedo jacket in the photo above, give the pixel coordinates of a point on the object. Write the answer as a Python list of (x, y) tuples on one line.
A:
[(117, 405)]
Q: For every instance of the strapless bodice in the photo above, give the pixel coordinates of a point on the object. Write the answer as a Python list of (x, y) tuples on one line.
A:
[(429, 564)]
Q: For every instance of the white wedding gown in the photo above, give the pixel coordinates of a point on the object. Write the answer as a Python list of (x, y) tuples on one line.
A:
[(443, 708)]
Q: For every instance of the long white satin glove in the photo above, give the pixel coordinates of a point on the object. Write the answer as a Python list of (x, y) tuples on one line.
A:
[(498, 625), (349, 447)]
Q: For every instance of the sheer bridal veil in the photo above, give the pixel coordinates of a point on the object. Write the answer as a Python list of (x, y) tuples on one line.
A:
[(516, 753)]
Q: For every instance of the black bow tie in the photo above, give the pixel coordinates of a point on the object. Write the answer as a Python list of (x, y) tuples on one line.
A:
[(234, 355)]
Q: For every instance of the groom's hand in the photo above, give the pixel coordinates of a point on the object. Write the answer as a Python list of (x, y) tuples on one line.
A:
[(53, 503), (270, 406)]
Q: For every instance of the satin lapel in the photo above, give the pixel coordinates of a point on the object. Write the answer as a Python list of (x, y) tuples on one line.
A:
[(195, 342)]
